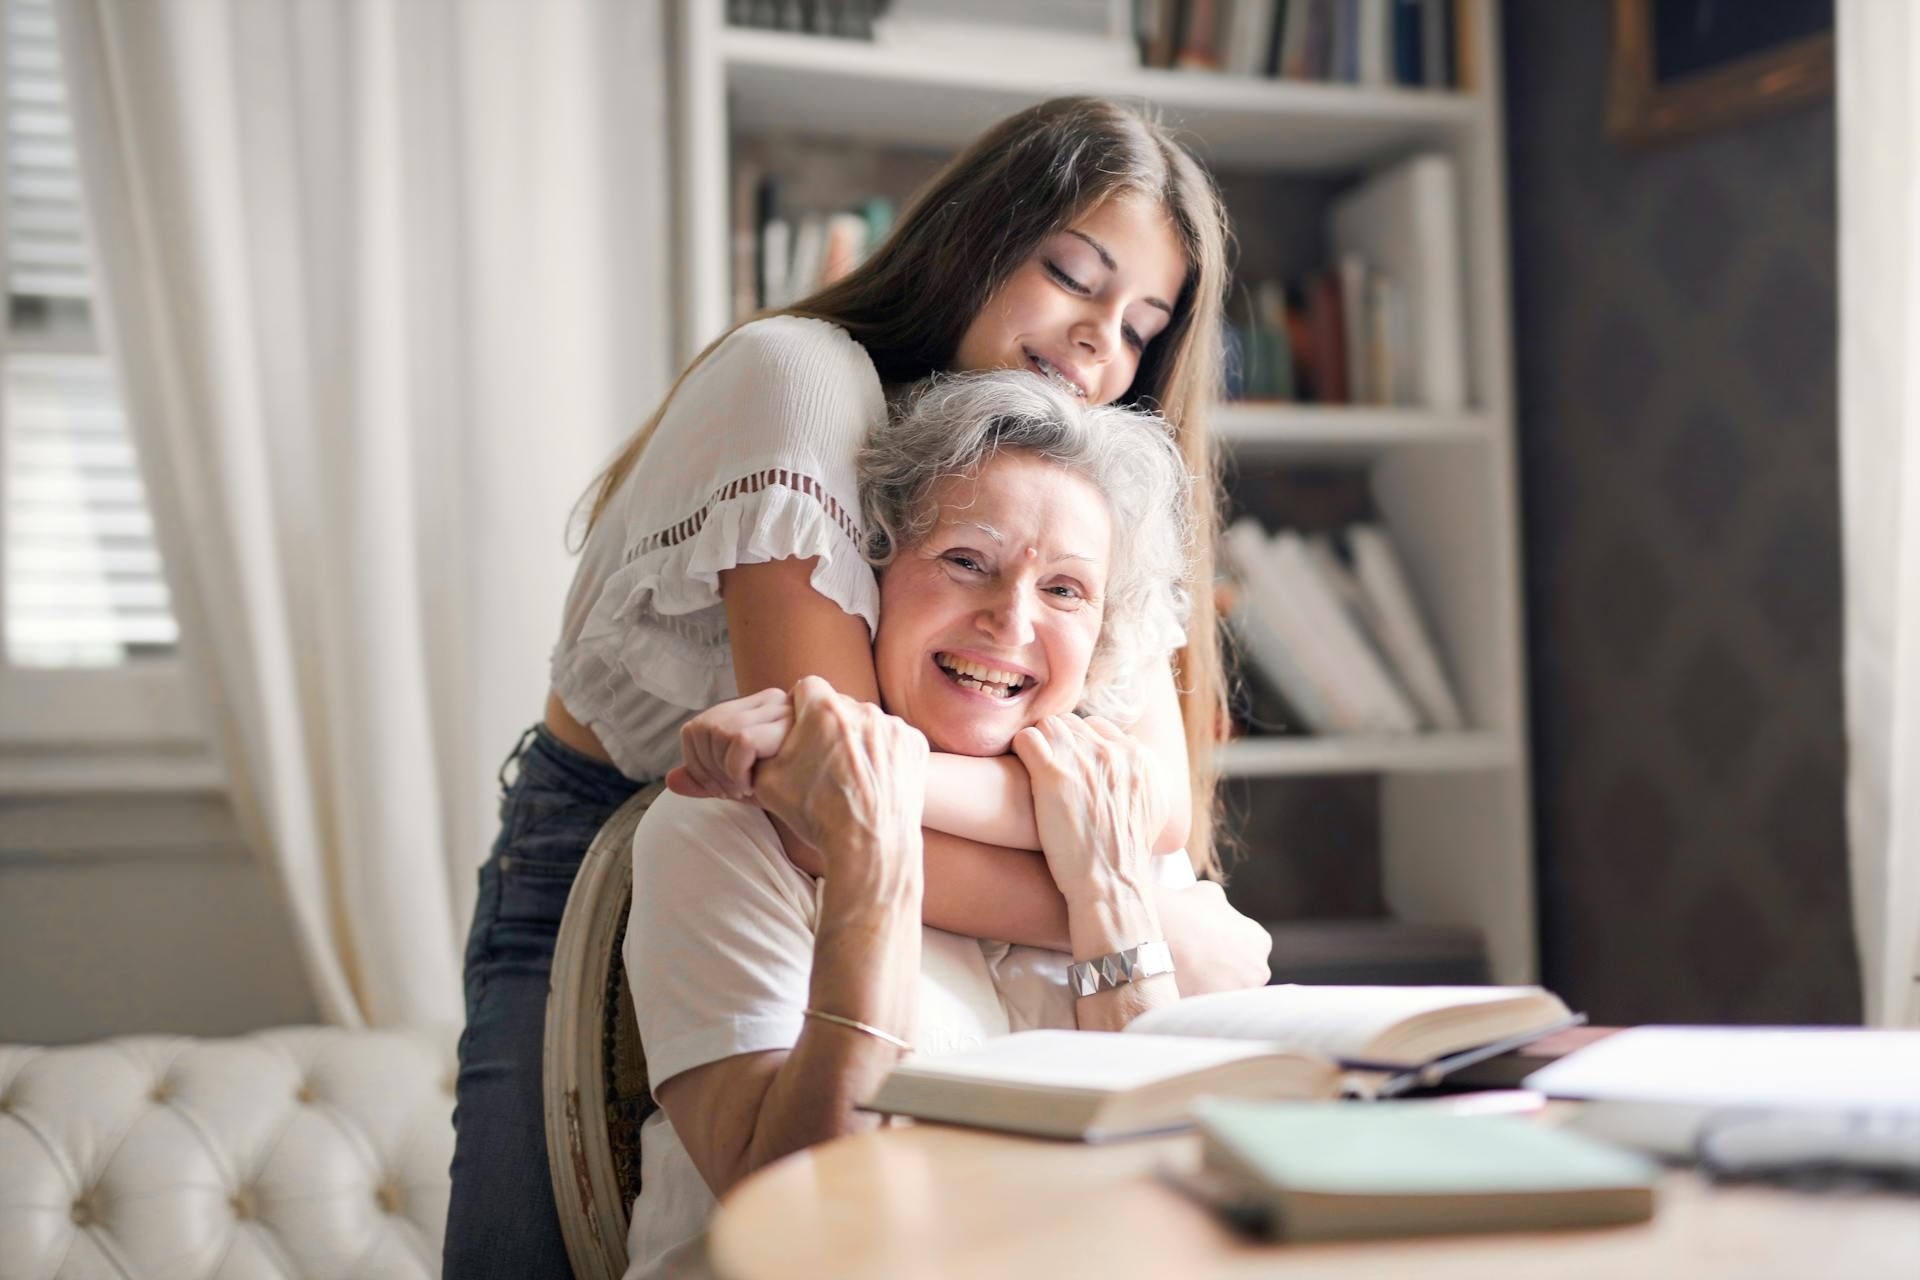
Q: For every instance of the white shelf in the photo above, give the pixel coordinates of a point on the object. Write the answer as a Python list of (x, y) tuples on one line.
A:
[(852, 89), (1411, 753), (1253, 428)]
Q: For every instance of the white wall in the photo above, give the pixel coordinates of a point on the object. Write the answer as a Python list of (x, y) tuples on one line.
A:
[(138, 914)]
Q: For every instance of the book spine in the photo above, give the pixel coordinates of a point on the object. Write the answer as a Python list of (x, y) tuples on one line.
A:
[(1403, 633), (1276, 631), (1408, 18), (1373, 52), (1364, 685), (1356, 327), (1200, 39), (1276, 35), (1294, 34), (1436, 44)]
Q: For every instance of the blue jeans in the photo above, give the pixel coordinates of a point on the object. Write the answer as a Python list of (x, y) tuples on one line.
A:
[(501, 1219)]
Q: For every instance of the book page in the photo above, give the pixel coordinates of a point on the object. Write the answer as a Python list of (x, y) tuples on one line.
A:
[(1818, 1067), (1090, 1060), (1339, 1022)]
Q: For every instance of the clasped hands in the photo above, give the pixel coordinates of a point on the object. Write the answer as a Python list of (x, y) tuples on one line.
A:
[(831, 768), (821, 763)]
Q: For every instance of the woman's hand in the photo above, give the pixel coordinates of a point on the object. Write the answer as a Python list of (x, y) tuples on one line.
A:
[(1094, 803), (1098, 812), (1215, 948), (850, 780), (720, 747)]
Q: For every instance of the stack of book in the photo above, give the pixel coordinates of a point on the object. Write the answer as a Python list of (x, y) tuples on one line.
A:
[(1331, 623), (1417, 44), (1384, 324)]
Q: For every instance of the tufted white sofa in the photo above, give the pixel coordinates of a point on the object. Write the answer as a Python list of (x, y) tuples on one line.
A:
[(309, 1151)]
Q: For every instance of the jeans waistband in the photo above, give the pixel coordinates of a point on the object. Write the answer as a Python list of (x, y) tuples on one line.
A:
[(545, 761)]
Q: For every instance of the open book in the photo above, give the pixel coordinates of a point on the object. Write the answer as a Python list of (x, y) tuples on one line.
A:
[(1270, 1042)]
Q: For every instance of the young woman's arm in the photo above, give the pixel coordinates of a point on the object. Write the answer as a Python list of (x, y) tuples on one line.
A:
[(991, 799), (781, 629)]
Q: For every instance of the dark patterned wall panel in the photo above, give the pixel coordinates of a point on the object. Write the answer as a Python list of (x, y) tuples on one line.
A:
[(1675, 338)]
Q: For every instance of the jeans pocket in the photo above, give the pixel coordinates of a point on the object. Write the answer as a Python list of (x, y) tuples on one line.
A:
[(533, 890)]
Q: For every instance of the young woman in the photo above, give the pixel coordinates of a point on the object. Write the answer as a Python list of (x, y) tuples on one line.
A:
[(1075, 240), (1032, 557)]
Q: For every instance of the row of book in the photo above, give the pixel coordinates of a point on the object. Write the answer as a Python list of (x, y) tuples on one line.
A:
[(782, 255), (1385, 323), (1420, 44), (848, 19), (1331, 624), (1340, 336)]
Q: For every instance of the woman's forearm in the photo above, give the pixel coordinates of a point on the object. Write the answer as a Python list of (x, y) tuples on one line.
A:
[(741, 1113), (989, 800), (985, 891), (983, 798), (1117, 917), (866, 968)]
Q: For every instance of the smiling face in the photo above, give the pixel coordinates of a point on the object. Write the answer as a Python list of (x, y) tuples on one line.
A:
[(988, 623), (1086, 305)]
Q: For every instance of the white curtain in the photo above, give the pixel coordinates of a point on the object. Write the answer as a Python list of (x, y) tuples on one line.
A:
[(386, 284), (1878, 56)]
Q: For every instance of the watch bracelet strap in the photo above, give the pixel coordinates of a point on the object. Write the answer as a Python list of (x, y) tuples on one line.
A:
[(1117, 968)]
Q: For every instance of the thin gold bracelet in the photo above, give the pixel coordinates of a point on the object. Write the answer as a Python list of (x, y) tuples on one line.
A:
[(873, 1031)]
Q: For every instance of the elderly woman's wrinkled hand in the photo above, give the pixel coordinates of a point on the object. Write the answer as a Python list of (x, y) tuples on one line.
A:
[(1094, 802), (850, 780)]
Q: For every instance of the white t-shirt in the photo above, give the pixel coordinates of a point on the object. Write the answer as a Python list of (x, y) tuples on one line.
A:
[(752, 461), (719, 955)]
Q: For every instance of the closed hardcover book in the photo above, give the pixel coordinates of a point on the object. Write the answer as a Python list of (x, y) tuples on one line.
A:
[(1249, 37), (1339, 645), (1396, 622), (1373, 54), (1269, 1042), (1306, 1173), (1326, 353), (1405, 222), (1295, 29), (1275, 623)]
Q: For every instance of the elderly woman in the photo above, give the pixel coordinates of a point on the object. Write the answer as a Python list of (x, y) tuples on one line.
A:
[(1032, 554)]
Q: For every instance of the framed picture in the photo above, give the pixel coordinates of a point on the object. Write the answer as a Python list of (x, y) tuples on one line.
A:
[(1681, 67)]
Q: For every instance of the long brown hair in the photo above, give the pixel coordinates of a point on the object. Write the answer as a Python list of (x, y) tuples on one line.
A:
[(981, 218)]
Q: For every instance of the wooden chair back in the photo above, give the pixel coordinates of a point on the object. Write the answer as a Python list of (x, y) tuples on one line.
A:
[(595, 1073)]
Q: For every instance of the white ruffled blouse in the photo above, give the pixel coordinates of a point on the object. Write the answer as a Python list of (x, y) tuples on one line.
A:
[(752, 461)]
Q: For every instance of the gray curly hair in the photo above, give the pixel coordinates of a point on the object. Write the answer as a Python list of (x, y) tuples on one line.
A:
[(954, 424)]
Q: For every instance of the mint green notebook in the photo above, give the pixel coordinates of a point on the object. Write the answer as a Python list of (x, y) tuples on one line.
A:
[(1332, 1171)]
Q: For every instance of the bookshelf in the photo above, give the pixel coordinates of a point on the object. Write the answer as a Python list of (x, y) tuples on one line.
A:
[(1455, 823)]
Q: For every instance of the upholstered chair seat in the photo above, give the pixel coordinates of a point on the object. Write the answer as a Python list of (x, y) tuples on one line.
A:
[(308, 1151)]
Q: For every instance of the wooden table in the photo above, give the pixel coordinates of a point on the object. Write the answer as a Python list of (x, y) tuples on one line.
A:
[(927, 1200)]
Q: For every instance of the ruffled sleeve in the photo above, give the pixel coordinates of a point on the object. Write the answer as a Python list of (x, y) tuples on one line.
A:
[(753, 460)]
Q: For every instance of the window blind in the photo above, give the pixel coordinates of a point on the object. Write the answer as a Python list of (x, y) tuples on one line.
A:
[(83, 583)]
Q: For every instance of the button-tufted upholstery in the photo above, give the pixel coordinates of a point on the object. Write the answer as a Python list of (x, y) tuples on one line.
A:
[(310, 1151)]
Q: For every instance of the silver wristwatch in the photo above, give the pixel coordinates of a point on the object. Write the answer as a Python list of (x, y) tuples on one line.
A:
[(1103, 973)]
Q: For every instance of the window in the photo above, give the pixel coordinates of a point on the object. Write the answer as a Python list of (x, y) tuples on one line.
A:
[(88, 641)]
